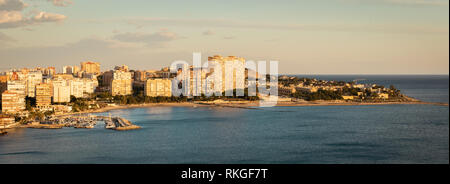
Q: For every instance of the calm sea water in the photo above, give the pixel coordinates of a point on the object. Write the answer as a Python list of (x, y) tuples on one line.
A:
[(319, 134)]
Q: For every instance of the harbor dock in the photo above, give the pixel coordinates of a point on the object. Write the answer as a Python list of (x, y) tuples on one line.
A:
[(86, 122)]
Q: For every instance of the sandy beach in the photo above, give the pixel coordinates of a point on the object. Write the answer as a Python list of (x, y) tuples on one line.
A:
[(248, 104)]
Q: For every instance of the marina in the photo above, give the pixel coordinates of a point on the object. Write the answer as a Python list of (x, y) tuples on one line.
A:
[(85, 121)]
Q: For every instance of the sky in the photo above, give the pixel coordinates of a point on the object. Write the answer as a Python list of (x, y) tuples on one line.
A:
[(304, 36)]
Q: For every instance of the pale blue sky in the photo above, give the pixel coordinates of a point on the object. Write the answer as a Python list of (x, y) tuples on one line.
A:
[(305, 36)]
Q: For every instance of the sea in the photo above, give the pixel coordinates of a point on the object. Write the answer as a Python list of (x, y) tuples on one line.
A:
[(376, 134)]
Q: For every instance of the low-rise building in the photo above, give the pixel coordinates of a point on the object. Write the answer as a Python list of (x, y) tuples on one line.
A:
[(286, 91), (60, 109), (310, 89), (383, 95), (345, 97)]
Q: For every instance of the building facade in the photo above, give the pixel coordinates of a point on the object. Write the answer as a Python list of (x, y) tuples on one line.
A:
[(17, 86), (90, 67), (233, 79), (33, 78), (43, 96), (121, 83), (61, 94), (12, 102), (158, 87)]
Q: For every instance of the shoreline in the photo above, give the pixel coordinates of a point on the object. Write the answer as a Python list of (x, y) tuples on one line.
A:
[(238, 104), (250, 104)]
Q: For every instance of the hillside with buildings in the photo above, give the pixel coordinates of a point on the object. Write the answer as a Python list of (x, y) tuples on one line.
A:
[(34, 94)]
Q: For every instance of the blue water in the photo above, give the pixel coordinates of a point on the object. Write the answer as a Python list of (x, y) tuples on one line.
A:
[(318, 134)]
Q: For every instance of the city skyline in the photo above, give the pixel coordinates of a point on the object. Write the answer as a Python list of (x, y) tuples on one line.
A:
[(306, 37)]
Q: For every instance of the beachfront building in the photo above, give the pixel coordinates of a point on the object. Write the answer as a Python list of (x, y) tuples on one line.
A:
[(90, 67), (61, 94), (121, 83), (12, 102), (33, 78), (347, 97), (231, 79), (140, 75), (63, 88), (158, 87), (81, 88), (286, 91), (44, 96), (17, 86), (89, 85)]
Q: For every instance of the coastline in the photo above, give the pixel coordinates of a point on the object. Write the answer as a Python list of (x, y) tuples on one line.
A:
[(250, 104)]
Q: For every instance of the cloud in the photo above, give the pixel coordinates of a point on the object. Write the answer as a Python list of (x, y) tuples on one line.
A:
[(109, 52), (48, 17), (12, 5), (240, 24), (13, 19), (208, 33), (152, 39), (10, 17), (61, 3)]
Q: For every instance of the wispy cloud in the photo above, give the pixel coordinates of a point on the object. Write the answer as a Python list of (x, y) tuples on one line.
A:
[(150, 39), (61, 3), (239, 24), (13, 19), (11, 15)]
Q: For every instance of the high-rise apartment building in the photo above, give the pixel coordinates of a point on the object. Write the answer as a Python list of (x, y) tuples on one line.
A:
[(33, 78), (90, 67), (121, 83), (233, 72), (43, 96), (12, 102), (61, 94), (158, 87), (3, 83), (18, 87)]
